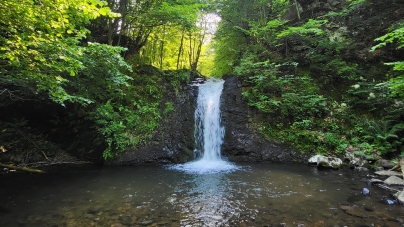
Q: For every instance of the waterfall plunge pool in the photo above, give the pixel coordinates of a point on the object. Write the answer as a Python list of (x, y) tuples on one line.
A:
[(206, 192), (253, 195)]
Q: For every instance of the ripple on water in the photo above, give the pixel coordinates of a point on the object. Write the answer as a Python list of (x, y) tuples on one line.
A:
[(206, 167)]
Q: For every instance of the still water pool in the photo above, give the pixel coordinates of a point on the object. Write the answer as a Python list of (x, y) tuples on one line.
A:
[(253, 195)]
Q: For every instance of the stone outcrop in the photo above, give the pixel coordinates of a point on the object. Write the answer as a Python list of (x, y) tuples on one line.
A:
[(387, 173), (173, 141), (400, 196), (393, 180), (324, 161), (242, 141)]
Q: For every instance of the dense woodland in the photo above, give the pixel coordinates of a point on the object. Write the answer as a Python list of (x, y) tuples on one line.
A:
[(88, 76)]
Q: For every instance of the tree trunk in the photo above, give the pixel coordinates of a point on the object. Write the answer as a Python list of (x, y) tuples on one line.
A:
[(297, 10), (180, 49), (22, 168), (162, 47), (198, 53)]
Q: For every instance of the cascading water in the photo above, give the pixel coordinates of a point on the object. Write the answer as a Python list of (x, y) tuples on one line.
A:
[(209, 132)]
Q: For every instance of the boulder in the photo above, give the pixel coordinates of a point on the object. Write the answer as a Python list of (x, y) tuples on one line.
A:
[(355, 161), (324, 161), (375, 181), (242, 139), (313, 160), (379, 168), (387, 173), (385, 163), (393, 180), (400, 196), (329, 162)]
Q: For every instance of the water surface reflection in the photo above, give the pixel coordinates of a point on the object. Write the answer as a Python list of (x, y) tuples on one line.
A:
[(255, 195)]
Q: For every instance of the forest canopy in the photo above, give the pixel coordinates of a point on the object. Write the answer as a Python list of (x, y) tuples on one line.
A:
[(327, 76)]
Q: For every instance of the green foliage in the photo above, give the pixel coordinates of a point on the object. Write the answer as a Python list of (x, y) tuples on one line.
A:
[(312, 27), (353, 4), (396, 35), (369, 97), (309, 79), (228, 46), (169, 107), (291, 98), (382, 136), (45, 52), (124, 127), (177, 78), (41, 50)]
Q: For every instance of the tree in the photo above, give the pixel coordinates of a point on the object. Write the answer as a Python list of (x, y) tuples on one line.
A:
[(40, 43), (396, 35), (139, 19)]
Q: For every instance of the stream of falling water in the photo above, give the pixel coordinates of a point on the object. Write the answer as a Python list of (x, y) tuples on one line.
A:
[(209, 131)]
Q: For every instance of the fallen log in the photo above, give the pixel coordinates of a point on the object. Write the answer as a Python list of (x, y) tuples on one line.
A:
[(26, 169)]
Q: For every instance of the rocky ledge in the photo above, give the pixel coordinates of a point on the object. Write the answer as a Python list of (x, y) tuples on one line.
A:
[(242, 141)]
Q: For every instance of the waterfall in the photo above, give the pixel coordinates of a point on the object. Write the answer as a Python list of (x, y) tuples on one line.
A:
[(209, 132)]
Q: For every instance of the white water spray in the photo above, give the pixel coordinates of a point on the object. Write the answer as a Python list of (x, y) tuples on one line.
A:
[(209, 132)]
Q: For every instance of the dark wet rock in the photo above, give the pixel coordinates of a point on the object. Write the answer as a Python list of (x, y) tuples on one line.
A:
[(242, 141), (361, 169), (387, 173), (379, 168), (386, 164), (393, 180), (173, 141), (92, 211), (369, 208), (375, 181), (354, 211), (355, 198), (355, 161)]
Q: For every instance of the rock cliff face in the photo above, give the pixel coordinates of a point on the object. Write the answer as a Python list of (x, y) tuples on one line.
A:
[(242, 141), (173, 142)]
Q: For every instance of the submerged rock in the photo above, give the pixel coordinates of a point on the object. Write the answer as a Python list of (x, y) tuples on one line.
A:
[(354, 211), (365, 191), (391, 202), (361, 169)]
